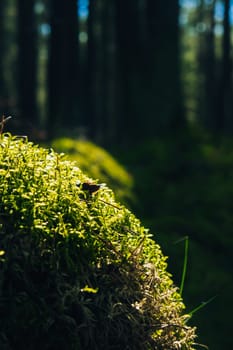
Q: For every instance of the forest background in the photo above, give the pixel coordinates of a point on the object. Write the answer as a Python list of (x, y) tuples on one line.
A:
[(151, 82)]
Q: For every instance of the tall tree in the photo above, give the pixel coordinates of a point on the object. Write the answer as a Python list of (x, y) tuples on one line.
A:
[(164, 60), (3, 89), (207, 61), (27, 63), (8, 59), (224, 121), (149, 67), (130, 65), (101, 71), (63, 63), (94, 72), (110, 127)]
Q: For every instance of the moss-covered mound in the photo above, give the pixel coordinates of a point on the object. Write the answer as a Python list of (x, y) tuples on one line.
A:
[(98, 164), (77, 270)]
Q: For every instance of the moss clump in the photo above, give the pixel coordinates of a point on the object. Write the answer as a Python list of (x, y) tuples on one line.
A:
[(98, 164), (77, 270)]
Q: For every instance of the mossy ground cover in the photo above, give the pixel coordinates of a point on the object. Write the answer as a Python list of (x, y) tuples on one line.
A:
[(77, 270)]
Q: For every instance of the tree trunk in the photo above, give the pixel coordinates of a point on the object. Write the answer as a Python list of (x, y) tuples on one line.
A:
[(167, 112), (63, 68), (223, 120), (27, 65), (226, 121), (210, 72), (101, 72), (3, 85), (129, 69), (110, 114), (148, 68), (93, 71)]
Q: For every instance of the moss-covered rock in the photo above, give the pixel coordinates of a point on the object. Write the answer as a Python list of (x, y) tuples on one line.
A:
[(77, 269)]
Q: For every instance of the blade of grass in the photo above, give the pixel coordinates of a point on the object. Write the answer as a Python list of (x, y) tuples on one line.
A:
[(203, 304), (184, 271)]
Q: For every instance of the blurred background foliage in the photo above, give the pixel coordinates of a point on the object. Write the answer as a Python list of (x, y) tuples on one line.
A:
[(150, 81), (186, 191), (99, 165)]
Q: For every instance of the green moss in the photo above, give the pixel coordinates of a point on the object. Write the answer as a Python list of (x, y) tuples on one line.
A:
[(98, 164), (77, 270)]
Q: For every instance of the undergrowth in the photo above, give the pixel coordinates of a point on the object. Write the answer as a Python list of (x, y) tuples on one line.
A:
[(98, 164), (77, 270), (184, 186)]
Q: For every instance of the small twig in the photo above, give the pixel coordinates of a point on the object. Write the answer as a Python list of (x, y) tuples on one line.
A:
[(201, 345), (173, 325), (112, 205), (138, 249), (21, 137), (91, 189), (3, 122), (129, 230), (109, 245)]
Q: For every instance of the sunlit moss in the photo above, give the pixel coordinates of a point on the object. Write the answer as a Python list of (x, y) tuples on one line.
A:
[(98, 164), (79, 270)]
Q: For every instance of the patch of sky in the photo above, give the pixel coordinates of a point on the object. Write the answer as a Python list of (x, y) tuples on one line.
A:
[(187, 5), (44, 29), (219, 11), (190, 4), (83, 8)]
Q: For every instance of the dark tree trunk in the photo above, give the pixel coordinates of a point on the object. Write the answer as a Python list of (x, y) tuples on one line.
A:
[(164, 59), (93, 72), (109, 74), (226, 119), (149, 87), (27, 65), (3, 85), (201, 59), (223, 122), (209, 71), (129, 69), (89, 101), (63, 68), (101, 113)]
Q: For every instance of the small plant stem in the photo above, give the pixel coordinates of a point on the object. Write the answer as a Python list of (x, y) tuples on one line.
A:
[(201, 345), (203, 304), (112, 205), (3, 122), (186, 248)]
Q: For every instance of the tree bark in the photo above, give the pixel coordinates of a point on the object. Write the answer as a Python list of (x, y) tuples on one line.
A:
[(210, 72), (27, 65), (63, 63), (3, 85), (101, 72), (93, 71), (226, 73), (223, 122), (129, 69), (164, 59)]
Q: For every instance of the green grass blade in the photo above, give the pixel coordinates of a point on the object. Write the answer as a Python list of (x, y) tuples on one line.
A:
[(184, 271), (203, 304)]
